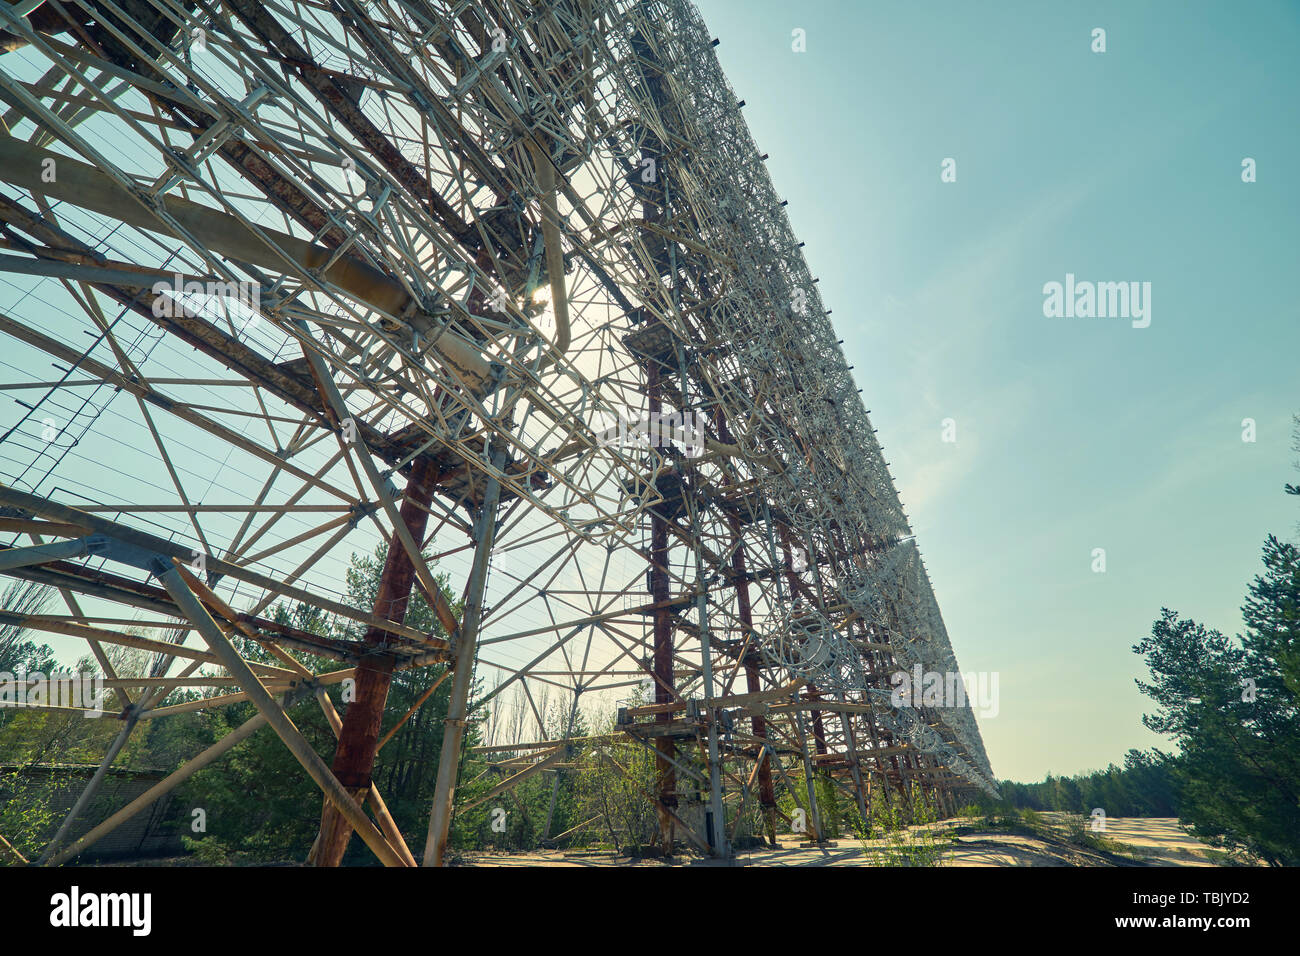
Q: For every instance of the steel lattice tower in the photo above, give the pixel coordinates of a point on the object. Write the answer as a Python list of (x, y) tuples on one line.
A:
[(317, 274)]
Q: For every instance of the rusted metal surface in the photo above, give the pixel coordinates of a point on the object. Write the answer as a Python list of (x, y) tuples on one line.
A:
[(354, 757)]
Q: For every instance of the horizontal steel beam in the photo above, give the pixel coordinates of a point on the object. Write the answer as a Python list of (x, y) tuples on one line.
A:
[(15, 558), (81, 184)]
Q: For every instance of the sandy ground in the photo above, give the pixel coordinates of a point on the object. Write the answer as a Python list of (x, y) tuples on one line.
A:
[(1137, 841), (1159, 840), (1131, 841)]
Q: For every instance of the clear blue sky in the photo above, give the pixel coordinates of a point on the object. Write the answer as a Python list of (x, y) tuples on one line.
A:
[(1072, 434)]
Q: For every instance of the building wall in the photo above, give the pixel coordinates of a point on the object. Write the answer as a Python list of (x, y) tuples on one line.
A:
[(152, 832)]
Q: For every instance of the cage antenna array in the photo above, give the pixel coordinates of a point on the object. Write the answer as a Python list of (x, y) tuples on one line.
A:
[(402, 273)]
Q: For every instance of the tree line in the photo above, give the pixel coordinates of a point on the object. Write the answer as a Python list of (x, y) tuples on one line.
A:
[(1147, 785), (1231, 707)]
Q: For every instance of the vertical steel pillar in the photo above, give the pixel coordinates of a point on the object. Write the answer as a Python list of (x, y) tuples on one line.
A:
[(745, 611), (719, 825), (809, 778), (485, 526), (851, 739), (758, 723)]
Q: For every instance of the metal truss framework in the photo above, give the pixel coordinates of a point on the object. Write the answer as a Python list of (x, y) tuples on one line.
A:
[(317, 274)]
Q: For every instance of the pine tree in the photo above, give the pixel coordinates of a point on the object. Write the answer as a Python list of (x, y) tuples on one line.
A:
[(1233, 707)]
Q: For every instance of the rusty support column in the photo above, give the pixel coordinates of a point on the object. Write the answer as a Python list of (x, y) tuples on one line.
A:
[(766, 792), (354, 758), (665, 774), (172, 579), (819, 726), (745, 610)]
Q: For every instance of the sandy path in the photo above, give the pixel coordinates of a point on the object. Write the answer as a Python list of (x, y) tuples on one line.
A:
[(1153, 841)]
